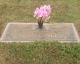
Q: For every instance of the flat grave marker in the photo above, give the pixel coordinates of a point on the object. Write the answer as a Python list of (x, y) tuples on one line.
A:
[(28, 32)]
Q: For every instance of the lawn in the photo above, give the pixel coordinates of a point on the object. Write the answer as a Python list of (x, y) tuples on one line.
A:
[(22, 11), (39, 52)]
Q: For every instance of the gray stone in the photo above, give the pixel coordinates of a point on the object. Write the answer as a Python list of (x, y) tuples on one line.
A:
[(25, 32)]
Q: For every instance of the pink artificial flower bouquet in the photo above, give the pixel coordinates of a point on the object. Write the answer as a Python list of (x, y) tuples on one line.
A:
[(42, 14)]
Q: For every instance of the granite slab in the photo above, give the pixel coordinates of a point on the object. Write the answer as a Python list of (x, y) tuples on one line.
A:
[(28, 32)]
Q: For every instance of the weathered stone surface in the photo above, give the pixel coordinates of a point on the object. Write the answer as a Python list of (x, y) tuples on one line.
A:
[(21, 32)]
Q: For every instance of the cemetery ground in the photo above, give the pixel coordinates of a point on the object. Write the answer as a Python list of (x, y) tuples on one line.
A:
[(39, 52)]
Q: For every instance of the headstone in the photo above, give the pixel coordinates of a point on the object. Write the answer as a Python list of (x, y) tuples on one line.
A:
[(28, 32)]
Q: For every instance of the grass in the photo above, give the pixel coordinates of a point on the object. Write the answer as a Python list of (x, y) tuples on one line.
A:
[(22, 11), (39, 53)]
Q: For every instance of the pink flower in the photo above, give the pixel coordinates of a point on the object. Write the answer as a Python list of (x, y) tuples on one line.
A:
[(43, 12)]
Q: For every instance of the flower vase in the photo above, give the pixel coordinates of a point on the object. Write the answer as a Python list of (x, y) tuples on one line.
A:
[(40, 23)]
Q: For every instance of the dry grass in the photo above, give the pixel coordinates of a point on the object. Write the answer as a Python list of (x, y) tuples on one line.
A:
[(39, 53), (22, 11)]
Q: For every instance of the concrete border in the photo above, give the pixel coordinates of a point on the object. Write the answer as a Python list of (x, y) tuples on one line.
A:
[(76, 33), (5, 30), (40, 41)]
